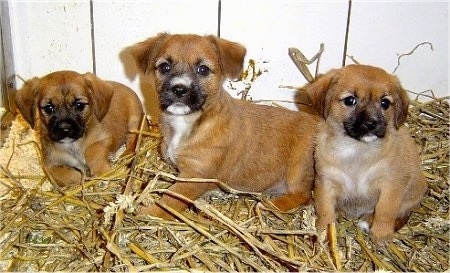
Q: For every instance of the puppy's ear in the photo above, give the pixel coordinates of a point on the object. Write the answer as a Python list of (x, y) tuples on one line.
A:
[(319, 94), (100, 93), (401, 106), (144, 52), (231, 56), (27, 99)]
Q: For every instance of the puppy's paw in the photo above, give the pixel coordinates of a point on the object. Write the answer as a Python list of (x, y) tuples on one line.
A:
[(156, 211), (323, 222), (364, 226), (100, 168), (381, 234)]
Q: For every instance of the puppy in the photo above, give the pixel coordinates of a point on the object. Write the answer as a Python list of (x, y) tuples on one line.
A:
[(81, 121), (367, 164), (208, 134)]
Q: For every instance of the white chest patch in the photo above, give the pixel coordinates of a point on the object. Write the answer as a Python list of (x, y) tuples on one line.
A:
[(182, 127), (69, 153), (353, 168)]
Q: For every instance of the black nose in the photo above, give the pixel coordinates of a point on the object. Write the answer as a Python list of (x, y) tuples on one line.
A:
[(65, 126), (370, 124), (179, 90)]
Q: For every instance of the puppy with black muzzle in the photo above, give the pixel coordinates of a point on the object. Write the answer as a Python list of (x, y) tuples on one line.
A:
[(208, 134), (81, 121), (367, 163)]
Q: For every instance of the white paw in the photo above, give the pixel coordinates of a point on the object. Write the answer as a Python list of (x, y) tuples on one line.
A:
[(364, 226)]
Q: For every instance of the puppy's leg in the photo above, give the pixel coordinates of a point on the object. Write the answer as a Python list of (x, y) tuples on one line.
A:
[(386, 213), (411, 201), (64, 175), (300, 179), (299, 186), (133, 126), (97, 158), (130, 144), (366, 221), (325, 205), (189, 190)]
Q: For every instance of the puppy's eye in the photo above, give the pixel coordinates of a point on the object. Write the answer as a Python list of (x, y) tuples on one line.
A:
[(203, 70), (48, 109), (79, 106), (164, 68), (350, 100), (385, 103)]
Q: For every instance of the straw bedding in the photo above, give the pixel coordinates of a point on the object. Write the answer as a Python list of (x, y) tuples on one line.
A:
[(95, 227)]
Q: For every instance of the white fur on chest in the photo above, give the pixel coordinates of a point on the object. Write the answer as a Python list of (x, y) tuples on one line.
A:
[(70, 153), (182, 127), (352, 168)]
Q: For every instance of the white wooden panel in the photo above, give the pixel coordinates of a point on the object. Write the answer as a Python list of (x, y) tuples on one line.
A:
[(50, 36), (268, 28), (54, 35), (119, 24), (380, 31)]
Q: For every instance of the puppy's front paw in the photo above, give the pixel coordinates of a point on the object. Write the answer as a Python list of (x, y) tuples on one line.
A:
[(381, 233), (323, 222), (364, 226), (156, 211), (100, 168)]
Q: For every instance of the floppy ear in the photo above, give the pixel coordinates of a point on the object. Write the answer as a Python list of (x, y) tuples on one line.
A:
[(401, 106), (144, 52), (100, 93), (27, 99), (231, 56), (318, 92)]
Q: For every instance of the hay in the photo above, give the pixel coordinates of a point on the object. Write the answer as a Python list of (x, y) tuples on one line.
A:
[(95, 227)]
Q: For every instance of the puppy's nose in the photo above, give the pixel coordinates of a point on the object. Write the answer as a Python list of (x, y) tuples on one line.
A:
[(370, 124), (65, 126), (179, 90)]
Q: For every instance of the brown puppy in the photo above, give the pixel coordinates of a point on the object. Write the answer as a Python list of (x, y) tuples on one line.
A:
[(81, 120), (208, 134), (367, 164)]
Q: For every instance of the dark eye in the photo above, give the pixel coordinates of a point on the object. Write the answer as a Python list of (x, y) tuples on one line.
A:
[(164, 68), (350, 100), (203, 70), (48, 109), (385, 103), (79, 106)]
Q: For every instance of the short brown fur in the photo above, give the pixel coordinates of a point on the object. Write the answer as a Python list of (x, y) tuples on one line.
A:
[(377, 179), (247, 146), (109, 112)]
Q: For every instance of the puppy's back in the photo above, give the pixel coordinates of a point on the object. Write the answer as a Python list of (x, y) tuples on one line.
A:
[(269, 144)]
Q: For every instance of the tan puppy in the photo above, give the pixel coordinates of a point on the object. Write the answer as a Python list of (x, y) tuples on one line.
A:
[(208, 134), (367, 164), (81, 120)]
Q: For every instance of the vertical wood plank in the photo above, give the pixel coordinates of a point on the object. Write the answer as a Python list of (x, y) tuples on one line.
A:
[(119, 24), (269, 27), (50, 35), (380, 31)]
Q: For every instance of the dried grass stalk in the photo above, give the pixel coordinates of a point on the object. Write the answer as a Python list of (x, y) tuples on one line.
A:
[(95, 227)]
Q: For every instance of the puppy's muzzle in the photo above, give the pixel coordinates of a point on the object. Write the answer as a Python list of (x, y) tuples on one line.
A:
[(365, 126), (182, 98), (65, 130)]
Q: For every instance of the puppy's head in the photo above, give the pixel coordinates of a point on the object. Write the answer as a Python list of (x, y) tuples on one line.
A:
[(188, 68), (64, 103), (363, 101)]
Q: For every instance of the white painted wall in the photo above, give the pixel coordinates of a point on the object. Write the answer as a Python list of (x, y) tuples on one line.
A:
[(54, 35), (269, 28), (381, 32), (50, 35), (136, 21)]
